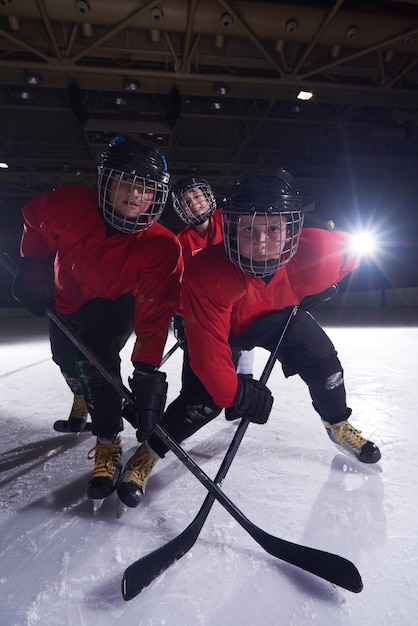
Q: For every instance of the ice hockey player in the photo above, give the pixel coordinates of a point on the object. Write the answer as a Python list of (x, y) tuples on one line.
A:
[(241, 292), (115, 270), (195, 204)]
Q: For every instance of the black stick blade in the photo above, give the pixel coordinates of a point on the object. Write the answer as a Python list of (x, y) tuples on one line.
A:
[(143, 571), (336, 569)]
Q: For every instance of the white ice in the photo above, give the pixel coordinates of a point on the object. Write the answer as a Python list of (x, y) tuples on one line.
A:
[(61, 566)]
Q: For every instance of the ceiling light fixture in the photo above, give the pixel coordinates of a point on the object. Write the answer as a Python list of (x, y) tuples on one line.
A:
[(156, 14), (3, 165), (351, 32), (25, 95), (226, 20), (31, 78), (304, 95), (130, 84), (221, 89), (291, 26), (82, 7)]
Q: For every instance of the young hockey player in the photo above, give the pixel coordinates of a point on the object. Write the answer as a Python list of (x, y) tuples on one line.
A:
[(195, 204), (241, 293), (116, 270)]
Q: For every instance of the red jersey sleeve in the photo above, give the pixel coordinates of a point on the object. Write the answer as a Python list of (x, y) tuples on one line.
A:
[(323, 258), (208, 304), (36, 242), (157, 296)]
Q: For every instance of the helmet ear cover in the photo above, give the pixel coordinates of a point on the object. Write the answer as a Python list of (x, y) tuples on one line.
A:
[(193, 200), (145, 168)]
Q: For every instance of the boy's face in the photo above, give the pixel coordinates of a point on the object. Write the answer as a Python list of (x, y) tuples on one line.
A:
[(194, 202), (129, 197), (261, 238)]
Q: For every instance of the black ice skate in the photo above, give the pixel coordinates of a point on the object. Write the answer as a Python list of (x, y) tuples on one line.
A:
[(77, 420), (133, 480), (349, 438), (106, 471)]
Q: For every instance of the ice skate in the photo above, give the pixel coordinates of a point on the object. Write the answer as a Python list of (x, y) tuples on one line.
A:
[(106, 471), (133, 480), (349, 438), (77, 420)]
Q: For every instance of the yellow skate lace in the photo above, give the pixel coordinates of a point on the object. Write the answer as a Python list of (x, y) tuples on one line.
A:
[(347, 432), (106, 459), (79, 409), (140, 469)]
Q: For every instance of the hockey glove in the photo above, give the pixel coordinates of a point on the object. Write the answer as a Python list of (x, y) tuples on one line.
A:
[(177, 323), (33, 285), (309, 303), (253, 401), (150, 394)]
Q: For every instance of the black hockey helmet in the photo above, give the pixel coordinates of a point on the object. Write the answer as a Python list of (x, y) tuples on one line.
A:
[(193, 200), (128, 160), (263, 196)]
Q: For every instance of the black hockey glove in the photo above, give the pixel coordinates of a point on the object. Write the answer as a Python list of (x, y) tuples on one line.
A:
[(309, 303), (33, 285), (253, 401), (177, 324), (150, 394)]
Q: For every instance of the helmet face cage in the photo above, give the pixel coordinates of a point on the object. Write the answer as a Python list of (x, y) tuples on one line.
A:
[(144, 187), (193, 201), (280, 243), (132, 184)]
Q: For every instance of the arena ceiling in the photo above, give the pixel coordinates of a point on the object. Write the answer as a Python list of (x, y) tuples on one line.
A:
[(213, 83)]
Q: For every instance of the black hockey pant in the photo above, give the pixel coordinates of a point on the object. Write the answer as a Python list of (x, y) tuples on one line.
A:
[(306, 350), (104, 327)]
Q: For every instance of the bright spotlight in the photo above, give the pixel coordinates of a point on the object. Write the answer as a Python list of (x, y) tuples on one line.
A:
[(364, 242)]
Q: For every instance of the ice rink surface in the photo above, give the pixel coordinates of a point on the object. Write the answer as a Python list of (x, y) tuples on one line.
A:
[(61, 566)]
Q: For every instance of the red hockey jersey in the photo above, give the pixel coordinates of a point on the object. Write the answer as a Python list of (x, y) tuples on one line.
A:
[(219, 298), (89, 265), (192, 242)]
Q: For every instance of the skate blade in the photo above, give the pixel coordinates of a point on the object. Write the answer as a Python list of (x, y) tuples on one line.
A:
[(361, 465), (97, 505), (121, 509), (63, 426)]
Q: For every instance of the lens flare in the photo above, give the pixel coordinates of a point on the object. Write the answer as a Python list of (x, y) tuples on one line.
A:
[(364, 242)]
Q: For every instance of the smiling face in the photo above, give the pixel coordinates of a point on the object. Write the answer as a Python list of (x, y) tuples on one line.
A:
[(130, 196), (194, 202), (261, 238)]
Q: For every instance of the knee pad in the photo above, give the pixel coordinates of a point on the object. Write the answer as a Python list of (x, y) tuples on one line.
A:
[(326, 371)]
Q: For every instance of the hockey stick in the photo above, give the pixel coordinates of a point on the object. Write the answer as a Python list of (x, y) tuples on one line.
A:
[(331, 567), (168, 354), (143, 571)]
